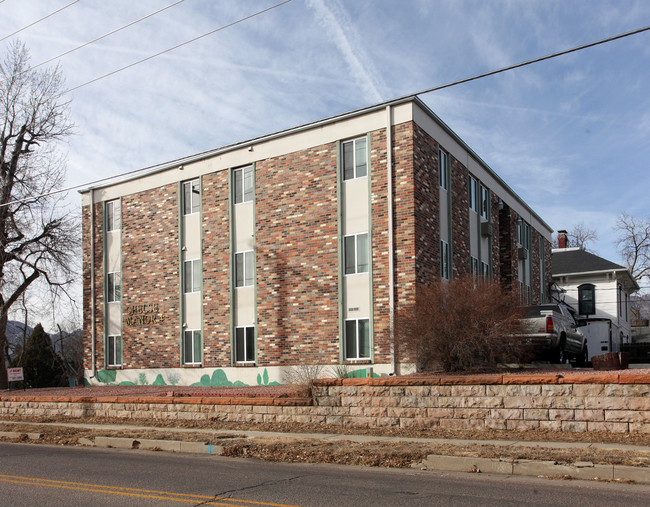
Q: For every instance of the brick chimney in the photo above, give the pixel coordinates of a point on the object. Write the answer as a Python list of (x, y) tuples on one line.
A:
[(562, 239)]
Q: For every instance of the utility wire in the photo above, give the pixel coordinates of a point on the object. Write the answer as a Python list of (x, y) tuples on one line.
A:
[(92, 41), (428, 90), (39, 20), (151, 57), (529, 62)]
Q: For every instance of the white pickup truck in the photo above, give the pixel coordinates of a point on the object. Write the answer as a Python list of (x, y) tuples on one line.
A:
[(553, 331)]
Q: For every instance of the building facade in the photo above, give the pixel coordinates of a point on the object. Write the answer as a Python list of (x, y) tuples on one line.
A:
[(294, 249), (600, 292)]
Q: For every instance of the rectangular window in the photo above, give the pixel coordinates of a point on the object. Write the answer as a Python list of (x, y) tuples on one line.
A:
[(485, 269), (357, 339), (245, 344), (242, 184), (113, 216), (355, 252), (443, 169), (192, 346), (444, 259), (244, 268), (485, 203), (355, 159), (192, 276), (191, 197), (113, 287), (114, 351), (473, 194)]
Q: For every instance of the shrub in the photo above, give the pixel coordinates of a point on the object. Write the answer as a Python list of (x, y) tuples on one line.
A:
[(465, 324)]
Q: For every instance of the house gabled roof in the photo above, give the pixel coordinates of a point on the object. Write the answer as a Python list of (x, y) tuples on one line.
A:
[(575, 261)]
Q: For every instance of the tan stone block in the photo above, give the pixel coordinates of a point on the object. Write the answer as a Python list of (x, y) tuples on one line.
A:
[(638, 403), (334, 419), (537, 414), (463, 391), (574, 426), (608, 427), (550, 425), (495, 424), (587, 390), (561, 415), (472, 402), (506, 413), (589, 415), (471, 413), (627, 416), (520, 425), (388, 422), (440, 390), (605, 403), (518, 402), (447, 402), (440, 413), (627, 390), (639, 427)]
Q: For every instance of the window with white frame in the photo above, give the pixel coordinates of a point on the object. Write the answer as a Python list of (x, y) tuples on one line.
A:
[(444, 259), (355, 158), (192, 276), (473, 194), (114, 350), (113, 215), (245, 344), (192, 346), (244, 268), (191, 197), (587, 299), (485, 269), (443, 169), (357, 339), (355, 252), (485, 203), (243, 184), (113, 287)]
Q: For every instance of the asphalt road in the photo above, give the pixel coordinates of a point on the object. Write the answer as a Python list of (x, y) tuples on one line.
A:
[(67, 476)]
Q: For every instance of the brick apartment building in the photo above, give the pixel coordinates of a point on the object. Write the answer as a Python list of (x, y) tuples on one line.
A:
[(294, 249)]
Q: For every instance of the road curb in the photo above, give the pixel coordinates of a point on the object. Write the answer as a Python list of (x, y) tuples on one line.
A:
[(154, 445), (532, 468)]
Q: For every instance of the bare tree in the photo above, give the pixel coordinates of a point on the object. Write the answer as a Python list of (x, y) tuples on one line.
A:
[(37, 233), (634, 244)]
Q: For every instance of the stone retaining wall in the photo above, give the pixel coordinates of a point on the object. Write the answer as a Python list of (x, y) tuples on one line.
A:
[(613, 402)]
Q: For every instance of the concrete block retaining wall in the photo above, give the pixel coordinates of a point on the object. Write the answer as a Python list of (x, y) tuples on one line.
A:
[(612, 402)]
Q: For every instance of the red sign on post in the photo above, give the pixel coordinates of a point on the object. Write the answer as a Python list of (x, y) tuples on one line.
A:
[(15, 374)]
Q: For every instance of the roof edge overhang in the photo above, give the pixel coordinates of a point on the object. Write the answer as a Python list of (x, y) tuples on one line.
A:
[(172, 164), (623, 271)]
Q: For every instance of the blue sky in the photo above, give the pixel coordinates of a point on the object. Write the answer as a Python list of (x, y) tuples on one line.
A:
[(571, 135)]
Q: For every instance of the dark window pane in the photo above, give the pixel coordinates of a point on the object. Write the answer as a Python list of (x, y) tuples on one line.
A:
[(362, 253), (350, 254), (196, 196), (239, 270), (249, 268), (240, 348), (187, 346), (364, 338), (238, 186), (361, 158), (250, 344), (348, 161), (248, 184), (350, 339), (196, 275), (197, 347)]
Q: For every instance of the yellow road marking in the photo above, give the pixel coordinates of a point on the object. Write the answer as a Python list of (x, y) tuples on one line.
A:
[(133, 492)]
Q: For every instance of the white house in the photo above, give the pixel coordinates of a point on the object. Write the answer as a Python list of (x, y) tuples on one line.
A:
[(599, 290)]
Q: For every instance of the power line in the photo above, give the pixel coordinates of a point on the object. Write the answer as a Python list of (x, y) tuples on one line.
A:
[(428, 90), (38, 21), (529, 62), (93, 41)]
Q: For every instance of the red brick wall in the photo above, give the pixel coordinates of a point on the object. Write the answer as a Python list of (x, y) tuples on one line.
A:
[(380, 273), (297, 258), (99, 288), (216, 269), (427, 204), (150, 275), (459, 219)]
